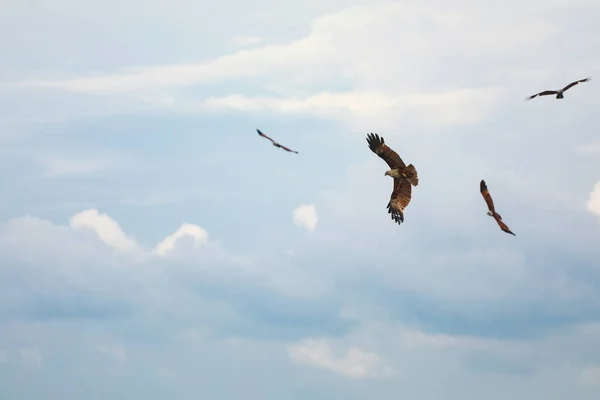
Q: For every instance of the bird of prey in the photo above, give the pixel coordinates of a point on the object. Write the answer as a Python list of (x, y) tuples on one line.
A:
[(404, 177), (559, 92), (492, 211), (275, 143)]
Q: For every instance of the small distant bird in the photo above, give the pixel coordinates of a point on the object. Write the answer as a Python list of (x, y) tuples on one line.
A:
[(404, 177), (558, 93), (492, 211), (275, 143)]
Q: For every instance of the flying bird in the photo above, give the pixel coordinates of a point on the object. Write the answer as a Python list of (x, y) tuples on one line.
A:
[(492, 211), (275, 143), (558, 93), (404, 177)]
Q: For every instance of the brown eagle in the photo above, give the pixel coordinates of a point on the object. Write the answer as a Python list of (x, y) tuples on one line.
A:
[(404, 176), (559, 92), (275, 143), (492, 211)]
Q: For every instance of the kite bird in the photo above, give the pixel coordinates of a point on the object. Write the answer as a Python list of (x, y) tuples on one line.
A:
[(492, 211), (404, 177), (275, 143), (558, 93)]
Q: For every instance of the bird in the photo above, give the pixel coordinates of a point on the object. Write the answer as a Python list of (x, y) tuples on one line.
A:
[(275, 143), (491, 210), (559, 92), (404, 177)]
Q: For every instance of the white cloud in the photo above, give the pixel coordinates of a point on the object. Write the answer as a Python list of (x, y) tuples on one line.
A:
[(105, 227), (169, 302), (343, 41), (591, 375), (358, 47), (443, 108), (30, 358), (117, 353), (356, 363), (60, 166), (199, 235), (305, 216), (415, 339), (590, 148), (244, 41), (593, 204)]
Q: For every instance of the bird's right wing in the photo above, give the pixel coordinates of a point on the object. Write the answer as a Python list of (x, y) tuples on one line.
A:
[(544, 93), (265, 136), (378, 146), (288, 149), (503, 226), (486, 196), (399, 199)]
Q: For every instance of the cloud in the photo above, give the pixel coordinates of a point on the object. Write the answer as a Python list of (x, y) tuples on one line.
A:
[(355, 364), (199, 236), (333, 43), (107, 230), (593, 203), (305, 216), (30, 358), (243, 41), (285, 306), (84, 278), (591, 375), (589, 148), (61, 166), (433, 109), (446, 298), (336, 71), (117, 353)]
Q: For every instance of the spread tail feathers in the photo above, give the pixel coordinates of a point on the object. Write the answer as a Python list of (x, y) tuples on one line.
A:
[(411, 175)]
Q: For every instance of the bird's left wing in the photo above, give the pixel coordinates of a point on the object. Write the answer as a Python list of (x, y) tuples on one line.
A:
[(265, 136), (399, 199), (570, 85)]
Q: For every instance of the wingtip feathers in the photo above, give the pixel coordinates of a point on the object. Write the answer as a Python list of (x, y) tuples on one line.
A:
[(482, 186)]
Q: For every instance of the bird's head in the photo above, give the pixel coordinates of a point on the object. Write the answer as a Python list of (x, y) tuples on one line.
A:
[(490, 214)]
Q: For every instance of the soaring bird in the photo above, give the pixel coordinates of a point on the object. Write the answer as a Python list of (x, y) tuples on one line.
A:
[(275, 143), (492, 211), (559, 92), (404, 177)]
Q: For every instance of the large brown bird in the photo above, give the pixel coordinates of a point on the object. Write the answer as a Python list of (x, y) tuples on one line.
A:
[(559, 92), (492, 211), (275, 143), (404, 177)]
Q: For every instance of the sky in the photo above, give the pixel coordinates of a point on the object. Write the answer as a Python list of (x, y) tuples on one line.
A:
[(153, 246)]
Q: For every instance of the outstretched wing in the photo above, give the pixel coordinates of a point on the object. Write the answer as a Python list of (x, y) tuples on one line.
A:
[(288, 149), (399, 199), (378, 146), (570, 85), (502, 225), (486, 196), (544, 93), (265, 136)]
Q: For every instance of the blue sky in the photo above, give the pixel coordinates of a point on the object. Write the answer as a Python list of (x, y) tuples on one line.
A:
[(153, 246)]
